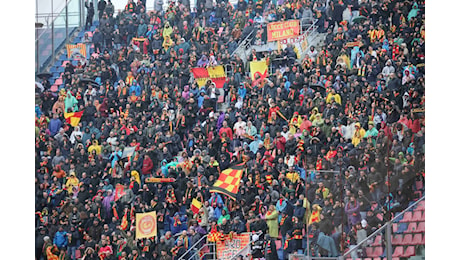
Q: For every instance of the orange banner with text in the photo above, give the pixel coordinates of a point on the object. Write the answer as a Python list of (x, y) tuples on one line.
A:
[(283, 30)]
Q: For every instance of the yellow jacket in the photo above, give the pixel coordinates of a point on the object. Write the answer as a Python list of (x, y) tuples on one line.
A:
[(358, 135), (71, 182), (95, 146)]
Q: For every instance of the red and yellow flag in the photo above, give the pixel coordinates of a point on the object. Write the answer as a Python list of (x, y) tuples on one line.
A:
[(229, 181), (73, 118), (119, 191), (146, 225), (196, 206), (73, 49), (216, 74), (124, 220)]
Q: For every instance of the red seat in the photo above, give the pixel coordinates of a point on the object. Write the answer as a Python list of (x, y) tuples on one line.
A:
[(418, 239), (407, 240), (398, 252), (377, 241), (397, 239), (420, 228), (423, 216), (407, 217), (420, 206), (411, 228), (395, 227), (410, 251), (370, 251), (417, 216), (378, 251)]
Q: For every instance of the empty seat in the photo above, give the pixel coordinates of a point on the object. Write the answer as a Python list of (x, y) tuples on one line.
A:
[(407, 217), (407, 240), (417, 216), (411, 228), (417, 239), (397, 239), (394, 227), (398, 251), (420, 228), (370, 251), (377, 241), (420, 206), (410, 251), (377, 252)]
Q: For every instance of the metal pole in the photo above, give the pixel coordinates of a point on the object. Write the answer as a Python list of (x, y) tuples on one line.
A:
[(37, 56), (388, 241), (52, 30), (66, 21)]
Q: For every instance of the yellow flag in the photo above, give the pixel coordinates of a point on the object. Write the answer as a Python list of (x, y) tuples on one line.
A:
[(146, 225), (258, 67)]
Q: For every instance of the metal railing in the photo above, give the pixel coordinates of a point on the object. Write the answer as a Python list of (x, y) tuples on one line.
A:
[(194, 246), (55, 31), (388, 233)]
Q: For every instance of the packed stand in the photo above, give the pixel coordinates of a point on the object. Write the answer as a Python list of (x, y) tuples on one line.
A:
[(323, 140)]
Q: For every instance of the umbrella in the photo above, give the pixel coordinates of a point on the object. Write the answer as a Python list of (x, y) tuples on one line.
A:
[(89, 81), (44, 75), (40, 86), (319, 88), (359, 19)]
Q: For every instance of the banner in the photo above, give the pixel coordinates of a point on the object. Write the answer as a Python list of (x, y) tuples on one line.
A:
[(229, 181), (159, 180), (216, 74), (258, 68), (227, 248), (282, 30), (73, 118), (146, 225), (76, 51), (128, 151)]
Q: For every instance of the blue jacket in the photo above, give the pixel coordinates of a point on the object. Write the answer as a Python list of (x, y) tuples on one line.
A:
[(136, 88), (242, 92), (54, 126), (60, 239), (178, 228)]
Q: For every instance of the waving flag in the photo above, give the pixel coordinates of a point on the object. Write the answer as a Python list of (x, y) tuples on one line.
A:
[(229, 181), (73, 118), (196, 206)]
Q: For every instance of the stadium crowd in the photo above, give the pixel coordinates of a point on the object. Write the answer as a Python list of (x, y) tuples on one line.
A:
[(323, 140)]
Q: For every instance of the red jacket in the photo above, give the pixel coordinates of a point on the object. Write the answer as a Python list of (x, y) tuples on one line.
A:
[(147, 166)]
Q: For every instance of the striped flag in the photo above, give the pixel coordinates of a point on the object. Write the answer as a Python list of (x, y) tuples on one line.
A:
[(73, 118), (75, 49), (229, 181), (196, 206)]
